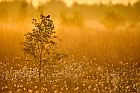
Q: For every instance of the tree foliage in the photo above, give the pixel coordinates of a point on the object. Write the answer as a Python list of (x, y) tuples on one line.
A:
[(41, 42), (75, 18), (112, 20)]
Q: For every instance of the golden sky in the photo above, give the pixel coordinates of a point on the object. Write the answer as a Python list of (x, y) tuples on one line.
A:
[(70, 2)]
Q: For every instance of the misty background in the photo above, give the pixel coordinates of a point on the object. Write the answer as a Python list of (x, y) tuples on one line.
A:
[(99, 45), (100, 31), (20, 10)]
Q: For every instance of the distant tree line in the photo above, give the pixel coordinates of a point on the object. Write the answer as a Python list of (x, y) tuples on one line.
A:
[(20, 10)]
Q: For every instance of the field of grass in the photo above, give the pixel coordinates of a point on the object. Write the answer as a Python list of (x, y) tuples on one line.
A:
[(100, 60)]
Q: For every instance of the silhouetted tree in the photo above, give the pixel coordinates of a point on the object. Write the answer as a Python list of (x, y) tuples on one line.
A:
[(41, 42)]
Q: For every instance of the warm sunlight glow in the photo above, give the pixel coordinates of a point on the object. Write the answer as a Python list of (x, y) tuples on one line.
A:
[(70, 2), (69, 46), (37, 2), (89, 2)]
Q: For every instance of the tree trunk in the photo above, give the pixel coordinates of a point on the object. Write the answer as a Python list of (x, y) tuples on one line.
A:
[(40, 72), (39, 69), (39, 79)]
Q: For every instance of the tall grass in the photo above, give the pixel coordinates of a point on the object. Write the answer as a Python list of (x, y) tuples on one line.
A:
[(102, 61)]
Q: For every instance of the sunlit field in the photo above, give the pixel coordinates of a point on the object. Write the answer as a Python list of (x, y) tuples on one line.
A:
[(99, 46)]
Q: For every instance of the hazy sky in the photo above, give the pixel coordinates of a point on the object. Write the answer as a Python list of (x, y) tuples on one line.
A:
[(70, 2)]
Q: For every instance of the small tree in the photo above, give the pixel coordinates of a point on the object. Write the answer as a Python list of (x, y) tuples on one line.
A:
[(112, 20), (40, 42), (74, 18)]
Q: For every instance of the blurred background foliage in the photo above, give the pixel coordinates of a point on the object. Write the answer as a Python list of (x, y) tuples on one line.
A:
[(20, 10)]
